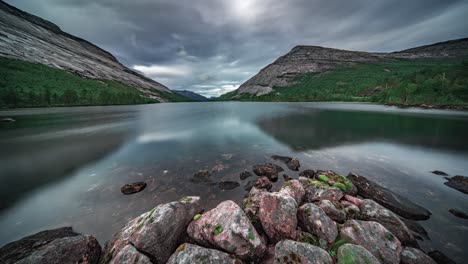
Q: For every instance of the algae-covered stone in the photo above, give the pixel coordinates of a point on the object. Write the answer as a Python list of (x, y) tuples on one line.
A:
[(188, 254), (354, 254), (288, 251), (313, 219)]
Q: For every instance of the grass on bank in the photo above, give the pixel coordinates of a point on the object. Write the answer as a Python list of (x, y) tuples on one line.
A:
[(394, 81), (25, 84)]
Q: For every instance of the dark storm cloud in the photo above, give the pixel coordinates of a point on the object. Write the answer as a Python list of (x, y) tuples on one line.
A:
[(212, 46)]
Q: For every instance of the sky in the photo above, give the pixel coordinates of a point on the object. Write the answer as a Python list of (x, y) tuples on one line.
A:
[(213, 46)]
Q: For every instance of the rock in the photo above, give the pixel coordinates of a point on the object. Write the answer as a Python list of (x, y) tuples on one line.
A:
[(133, 188), (336, 214), (7, 120), (458, 213), (288, 251), (294, 189), (308, 174), (292, 163), (389, 199), (350, 254), (375, 238), (350, 209), (251, 205), (249, 185), (438, 172), (277, 213), (336, 180), (459, 183), (157, 232), (263, 183), (309, 238), (415, 256), (440, 258), (314, 220), (417, 229), (245, 174), (227, 227), (269, 257), (129, 254), (228, 185), (203, 177), (318, 193), (188, 254), (304, 181), (353, 200), (268, 169), (372, 211), (60, 245)]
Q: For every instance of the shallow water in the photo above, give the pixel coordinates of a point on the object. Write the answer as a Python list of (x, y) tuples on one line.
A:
[(65, 166)]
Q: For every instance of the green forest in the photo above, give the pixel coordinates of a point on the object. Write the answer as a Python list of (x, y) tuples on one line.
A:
[(25, 84), (393, 81)]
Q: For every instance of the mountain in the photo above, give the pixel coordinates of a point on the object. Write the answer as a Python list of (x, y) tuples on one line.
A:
[(31, 39), (191, 95), (312, 73)]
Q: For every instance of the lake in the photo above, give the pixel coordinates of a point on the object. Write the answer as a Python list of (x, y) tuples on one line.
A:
[(65, 166)]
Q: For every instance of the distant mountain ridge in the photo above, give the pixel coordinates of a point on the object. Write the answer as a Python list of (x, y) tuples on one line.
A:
[(30, 38), (192, 95), (315, 59)]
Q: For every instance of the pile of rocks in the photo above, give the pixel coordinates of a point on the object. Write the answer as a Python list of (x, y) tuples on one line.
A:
[(320, 217)]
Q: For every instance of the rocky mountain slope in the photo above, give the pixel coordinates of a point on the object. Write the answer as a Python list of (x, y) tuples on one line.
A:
[(27, 37), (314, 59), (192, 95)]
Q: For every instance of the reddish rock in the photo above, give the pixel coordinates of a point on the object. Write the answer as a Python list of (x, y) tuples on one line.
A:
[(251, 206), (288, 251), (415, 256), (129, 254), (336, 214), (353, 200), (227, 227), (133, 188), (268, 169), (294, 189), (314, 220), (351, 210), (317, 193), (375, 238), (263, 183), (192, 254), (277, 214)]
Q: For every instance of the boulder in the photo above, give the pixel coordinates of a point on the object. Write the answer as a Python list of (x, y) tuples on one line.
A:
[(396, 203), (336, 214), (459, 183), (314, 220), (129, 254), (294, 189), (440, 258), (372, 211), (315, 193), (438, 172), (268, 169), (415, 256), (337, 180), (203, 177), (251, 206), (133, 188), (228, 185), (375, 238), (458, 213), (277, 214), (263, 183), (353, 200), (226, 227), (188, 254), (308, 174), (60, 245), (351, 254), (351, 210), (292, 163), (157, 232), (288, 251), (245, 174)]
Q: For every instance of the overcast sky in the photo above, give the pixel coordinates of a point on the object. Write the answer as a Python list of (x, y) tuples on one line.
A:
[(213, 46)]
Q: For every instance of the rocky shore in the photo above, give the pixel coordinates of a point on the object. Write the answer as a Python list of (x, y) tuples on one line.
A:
[(320, 217)]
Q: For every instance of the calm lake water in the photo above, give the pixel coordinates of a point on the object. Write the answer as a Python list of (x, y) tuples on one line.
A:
[(65, 166)]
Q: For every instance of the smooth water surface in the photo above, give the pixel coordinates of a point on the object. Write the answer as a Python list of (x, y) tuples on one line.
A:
[(65, 166)]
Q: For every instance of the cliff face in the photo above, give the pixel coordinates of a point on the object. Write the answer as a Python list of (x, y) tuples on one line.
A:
[(306, 59), (27, 37)]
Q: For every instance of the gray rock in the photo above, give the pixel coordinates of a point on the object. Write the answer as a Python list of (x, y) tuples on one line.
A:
[(438, 172), (416, 229), (375, 238), (189, 254), (308, 174), (350, 254), (129, 254), (226, 227), (277, 214), (440, 258), (157, 232), (415, 256), (294, 189), (288, 251), (458, 213), (203, 177), (459, 183), (336, 214), (351, 209), (314, 220), (316, 193)]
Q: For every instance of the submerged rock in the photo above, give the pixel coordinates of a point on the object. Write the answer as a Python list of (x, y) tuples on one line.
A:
[(389, 199), (438, 172), (228, 185), (188, 254), (227, 227), (245, 174), (440, 258), (308, 174), (129, 254), (203, 177), (156, 232), (314, 220), (268, 169), (294, 189), (375, 238), (288, 251), (458, 213), (277, 214), (336, 214), (417, 229), (60, 245), (292, 163), (372, 211), (7, 120), (415, 256), (249, 185), (459, 183), (351, 254), (133, 188)]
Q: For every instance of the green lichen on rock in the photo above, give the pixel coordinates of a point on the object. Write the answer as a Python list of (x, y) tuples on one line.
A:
[(251, 236), (197, 216), (308, 238), (389, 236), (218, 230), (185, 199), (317, 183), (323, 178), (341, 186)]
